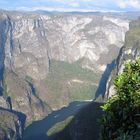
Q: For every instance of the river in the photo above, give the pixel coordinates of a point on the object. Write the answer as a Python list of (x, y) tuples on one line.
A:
[(38, 129)]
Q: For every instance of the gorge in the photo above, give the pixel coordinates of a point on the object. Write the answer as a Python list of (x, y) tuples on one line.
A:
[(53, 63)]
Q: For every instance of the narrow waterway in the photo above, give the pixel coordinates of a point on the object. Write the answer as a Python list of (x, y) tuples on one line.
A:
[(38, 129)]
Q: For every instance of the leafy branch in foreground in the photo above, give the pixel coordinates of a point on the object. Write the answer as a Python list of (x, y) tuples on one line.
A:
[(121, 120)]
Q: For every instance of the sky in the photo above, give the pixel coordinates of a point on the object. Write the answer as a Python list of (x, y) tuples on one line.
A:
[(71, 5)]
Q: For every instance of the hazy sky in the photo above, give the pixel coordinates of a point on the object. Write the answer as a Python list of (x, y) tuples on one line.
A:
[(71, 5)]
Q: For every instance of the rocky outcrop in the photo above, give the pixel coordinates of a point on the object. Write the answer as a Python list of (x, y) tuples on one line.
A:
[(21, 96), (129, 52), (11, 125)]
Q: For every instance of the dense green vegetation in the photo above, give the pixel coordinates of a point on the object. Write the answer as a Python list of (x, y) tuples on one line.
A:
[(78, 83), (122, 112)]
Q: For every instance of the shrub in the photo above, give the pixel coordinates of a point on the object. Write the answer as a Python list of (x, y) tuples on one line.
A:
[(121, 120)]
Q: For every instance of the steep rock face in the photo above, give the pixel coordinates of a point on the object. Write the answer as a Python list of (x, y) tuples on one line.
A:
[(32, 45), (26, 49), (3, 31), (21, 96), (129, 52), (88, 37), (11, 126)]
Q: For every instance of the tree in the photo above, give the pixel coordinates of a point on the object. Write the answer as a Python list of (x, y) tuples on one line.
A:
[(121, 120)]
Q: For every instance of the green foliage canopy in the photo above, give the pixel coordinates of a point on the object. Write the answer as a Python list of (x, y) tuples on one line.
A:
[(121, 120)]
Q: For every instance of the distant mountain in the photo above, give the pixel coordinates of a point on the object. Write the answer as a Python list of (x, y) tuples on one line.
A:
[(123, 15)]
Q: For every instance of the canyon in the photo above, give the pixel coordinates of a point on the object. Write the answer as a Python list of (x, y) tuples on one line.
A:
[(48, 61)]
